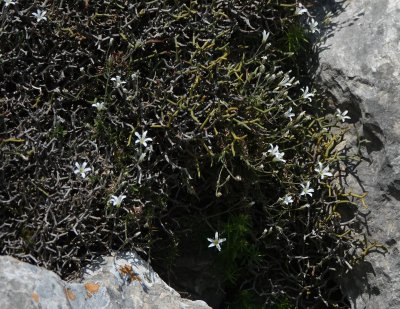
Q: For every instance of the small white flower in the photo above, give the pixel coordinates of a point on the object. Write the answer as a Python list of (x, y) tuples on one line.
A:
[(265, 36), (40, 15), (117, 81), (313, 26), (289, 114), (278, 156), (306, 94), (82, 169), (300, 9), (216, 241), (117, 200), (286, 81), (100, 106), (8, 2), (287, 199), (342, 116), (264, 58), (323, 172), (142, 139), (306, 190)]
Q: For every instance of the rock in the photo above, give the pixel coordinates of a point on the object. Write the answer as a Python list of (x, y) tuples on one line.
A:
[(121, 281), (359, 64)]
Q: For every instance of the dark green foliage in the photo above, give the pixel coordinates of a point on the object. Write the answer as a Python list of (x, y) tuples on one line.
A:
[(246, 300), (295, 39), (211, 96)]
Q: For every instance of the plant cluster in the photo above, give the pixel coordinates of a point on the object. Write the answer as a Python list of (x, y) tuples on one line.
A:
[(137, 124)]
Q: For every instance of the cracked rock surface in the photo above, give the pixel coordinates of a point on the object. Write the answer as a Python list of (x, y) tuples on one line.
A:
[(113, 282)]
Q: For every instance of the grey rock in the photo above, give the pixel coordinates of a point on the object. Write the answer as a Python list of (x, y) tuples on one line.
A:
[(120, 281), (359, 64)]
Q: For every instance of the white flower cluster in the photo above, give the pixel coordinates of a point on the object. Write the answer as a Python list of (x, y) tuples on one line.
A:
[(274, 152), (142, 141), (82, 170), (313, 25), (120, 85)]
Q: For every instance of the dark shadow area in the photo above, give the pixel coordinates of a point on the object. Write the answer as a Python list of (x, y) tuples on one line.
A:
[(356, 281)]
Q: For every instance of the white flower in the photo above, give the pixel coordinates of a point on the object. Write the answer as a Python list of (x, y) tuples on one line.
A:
[(300, 9), (82, 169), (116, 200), (306, 189), (100, 106), (287, 199), (265, 36), (313, 26), (286, 81), (264, 58), (8, 2), (289, 114), (323, 171), (142, 139), (342, 116), (216, 241), (117, 81), (306, 94), (274, 151), (39, 15)]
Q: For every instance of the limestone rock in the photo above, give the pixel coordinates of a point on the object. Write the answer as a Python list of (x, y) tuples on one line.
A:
[(114, 282), (359, 64)]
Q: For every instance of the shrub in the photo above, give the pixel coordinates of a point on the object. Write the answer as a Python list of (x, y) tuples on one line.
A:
[(188, 125)]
